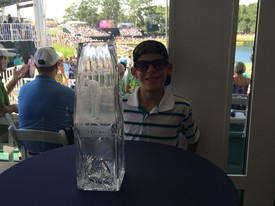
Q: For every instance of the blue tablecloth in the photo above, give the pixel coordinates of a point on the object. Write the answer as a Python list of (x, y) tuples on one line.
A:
[(156, 175)]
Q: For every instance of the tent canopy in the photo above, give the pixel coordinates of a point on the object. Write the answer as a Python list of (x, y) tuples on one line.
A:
[(12, 2)]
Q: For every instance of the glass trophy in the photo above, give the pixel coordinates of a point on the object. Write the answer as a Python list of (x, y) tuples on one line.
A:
[(98, 120)]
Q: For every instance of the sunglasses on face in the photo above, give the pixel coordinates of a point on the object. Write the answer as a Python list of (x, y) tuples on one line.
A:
[(158, 64)]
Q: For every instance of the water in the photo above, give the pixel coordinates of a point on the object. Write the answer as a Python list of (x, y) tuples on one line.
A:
[(244, 52)]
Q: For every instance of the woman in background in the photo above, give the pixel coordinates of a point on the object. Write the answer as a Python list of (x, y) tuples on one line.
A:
[(240, 82), (61, 76)]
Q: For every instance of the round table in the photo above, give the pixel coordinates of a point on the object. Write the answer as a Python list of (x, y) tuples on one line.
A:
[(156, 174)]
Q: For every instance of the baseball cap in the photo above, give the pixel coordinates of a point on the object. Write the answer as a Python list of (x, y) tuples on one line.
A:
[(45, 57), (150, 46), (4, 52)]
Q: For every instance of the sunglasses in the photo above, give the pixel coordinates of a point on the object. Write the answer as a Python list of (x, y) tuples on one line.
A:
[(158, 64)]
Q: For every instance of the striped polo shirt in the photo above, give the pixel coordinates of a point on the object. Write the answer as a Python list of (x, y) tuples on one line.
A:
[(163, 124)]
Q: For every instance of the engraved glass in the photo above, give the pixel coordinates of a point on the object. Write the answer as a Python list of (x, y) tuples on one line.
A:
[(98, 120)]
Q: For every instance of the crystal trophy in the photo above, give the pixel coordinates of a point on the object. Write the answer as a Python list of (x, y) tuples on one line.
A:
[(98, 120)]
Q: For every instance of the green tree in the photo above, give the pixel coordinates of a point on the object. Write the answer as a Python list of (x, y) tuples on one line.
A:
[(88, 12), (122, 16), (135, 8), (247, 18), (243, 20), (252, 14), (156, 15), (138, 12), (110, 9), (71, 13)]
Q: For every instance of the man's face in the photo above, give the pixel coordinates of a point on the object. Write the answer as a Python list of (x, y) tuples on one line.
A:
[(156, 69), (3, 63)]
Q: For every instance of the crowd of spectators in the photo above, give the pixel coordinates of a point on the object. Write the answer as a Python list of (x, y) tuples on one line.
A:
[(82, 32), (131, 31), (86, 31)]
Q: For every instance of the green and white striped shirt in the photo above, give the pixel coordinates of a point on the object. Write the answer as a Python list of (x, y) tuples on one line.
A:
[(162, 124)]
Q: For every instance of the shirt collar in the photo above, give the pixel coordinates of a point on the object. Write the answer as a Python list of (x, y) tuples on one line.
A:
[(167, 102), (43, 77)]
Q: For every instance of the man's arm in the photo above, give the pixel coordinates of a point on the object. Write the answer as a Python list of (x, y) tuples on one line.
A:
[(8, 109), (17, 75)]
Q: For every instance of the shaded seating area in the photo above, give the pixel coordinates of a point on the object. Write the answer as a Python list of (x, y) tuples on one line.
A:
[(237, 134), (16, 32)]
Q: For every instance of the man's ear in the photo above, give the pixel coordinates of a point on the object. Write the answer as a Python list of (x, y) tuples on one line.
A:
[(134, 72), (170, 68)]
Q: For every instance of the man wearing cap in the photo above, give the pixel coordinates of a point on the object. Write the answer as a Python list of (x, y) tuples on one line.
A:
[(5, 106), (45, 104)]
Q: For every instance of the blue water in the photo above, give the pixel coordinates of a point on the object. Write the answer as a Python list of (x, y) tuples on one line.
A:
[(244, 51)]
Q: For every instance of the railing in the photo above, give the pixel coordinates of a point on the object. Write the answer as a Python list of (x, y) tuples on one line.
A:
[(16, 32), (7, 75)]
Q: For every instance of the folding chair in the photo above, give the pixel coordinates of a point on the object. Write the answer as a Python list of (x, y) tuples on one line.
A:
[(31, 142), (240, 117)]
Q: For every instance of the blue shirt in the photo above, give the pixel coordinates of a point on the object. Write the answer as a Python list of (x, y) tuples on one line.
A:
[(44, 104), (66, 68)]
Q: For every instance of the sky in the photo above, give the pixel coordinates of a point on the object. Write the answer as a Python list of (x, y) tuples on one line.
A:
[(56, 8)]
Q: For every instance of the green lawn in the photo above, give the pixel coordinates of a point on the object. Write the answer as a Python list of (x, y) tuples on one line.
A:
[(246, 37)]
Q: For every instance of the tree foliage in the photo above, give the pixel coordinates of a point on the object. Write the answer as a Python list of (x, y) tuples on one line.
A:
[(136, 10), (121, 11), (88, 12), (247, 18), (141, 13), (110, 9), (71, 13)]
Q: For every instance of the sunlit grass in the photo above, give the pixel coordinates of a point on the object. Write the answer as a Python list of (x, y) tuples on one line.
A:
[(249, 37), (67, 51)]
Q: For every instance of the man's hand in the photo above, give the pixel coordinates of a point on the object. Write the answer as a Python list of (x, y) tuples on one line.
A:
[(16, 76), (20, 73), (3, 110), (8, 109)]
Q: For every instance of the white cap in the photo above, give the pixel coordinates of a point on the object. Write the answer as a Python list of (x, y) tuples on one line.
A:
[(45, 57), (4, 52)]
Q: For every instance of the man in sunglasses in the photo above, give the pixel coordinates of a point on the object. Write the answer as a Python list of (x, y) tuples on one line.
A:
[(5, 90), (152, 113)]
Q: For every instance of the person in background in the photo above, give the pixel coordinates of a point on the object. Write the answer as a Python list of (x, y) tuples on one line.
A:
[(61, 76), (10, 20), (66, 68), (5, 106), (123, 59), (122, 69), (32, 66), (240, 82), (152, 113), (18, 60), (45, 104), (129, 62), (72, 69), (131, 82)]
